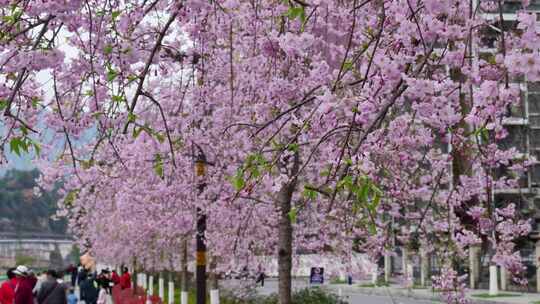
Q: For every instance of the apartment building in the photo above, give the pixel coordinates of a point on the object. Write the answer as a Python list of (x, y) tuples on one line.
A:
[(523, 126)]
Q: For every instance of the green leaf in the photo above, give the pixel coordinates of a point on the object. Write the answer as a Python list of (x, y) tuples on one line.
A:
[(372, 207), (238, 180), (3, 104), (295, 12), (17, 144), (86, 164), (372, 229), (256, 164), (347, 65), (35, 101), (24, 130), (108, 49), (293, 215), (14, 145), (363, 193), (37, 147), (293, 147), (160, 137), (158, 166), (346, 182), (485, 135), (111, 74), (118, 98), (137, 132), (115, 15), (309, 193), (132, 117), (71, 197)]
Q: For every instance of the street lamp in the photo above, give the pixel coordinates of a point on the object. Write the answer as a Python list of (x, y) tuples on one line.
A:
[(200, 168)]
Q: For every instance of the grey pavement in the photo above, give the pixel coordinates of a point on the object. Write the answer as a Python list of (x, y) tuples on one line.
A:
[(428, 295), (354, 294), (348, 294)]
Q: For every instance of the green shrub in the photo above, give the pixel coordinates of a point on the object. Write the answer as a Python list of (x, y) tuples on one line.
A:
[(21, 259), (315, 296), (338, 281), (303, 296), (501, 295)]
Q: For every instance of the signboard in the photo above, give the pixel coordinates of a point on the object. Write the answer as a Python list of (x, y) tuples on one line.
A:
[(316, 275)]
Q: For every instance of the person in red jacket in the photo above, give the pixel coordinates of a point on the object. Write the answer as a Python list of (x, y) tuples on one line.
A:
[(7, 289), (115, 278), (26, 282), (125, 279)]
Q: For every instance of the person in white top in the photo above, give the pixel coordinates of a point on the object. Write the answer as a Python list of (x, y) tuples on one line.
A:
[(102, 297), (41, 278)]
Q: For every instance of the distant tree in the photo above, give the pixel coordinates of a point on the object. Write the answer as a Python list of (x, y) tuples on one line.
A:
[(75, 255), (55, 258), (33, 210), (22, 259)]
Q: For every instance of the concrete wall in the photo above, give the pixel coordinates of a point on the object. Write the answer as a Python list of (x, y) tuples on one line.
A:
[(38, 249)]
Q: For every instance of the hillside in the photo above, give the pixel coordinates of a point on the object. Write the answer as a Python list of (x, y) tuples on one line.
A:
[(24, 213)]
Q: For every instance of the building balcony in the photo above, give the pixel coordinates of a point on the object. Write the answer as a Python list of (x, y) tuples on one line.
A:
[(533, 191), (515, 121)]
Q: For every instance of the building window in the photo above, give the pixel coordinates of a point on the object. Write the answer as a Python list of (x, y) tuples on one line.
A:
[(503, 171), (516, 138), (534, 139), (535, 175), (490, 35), (504, 199)]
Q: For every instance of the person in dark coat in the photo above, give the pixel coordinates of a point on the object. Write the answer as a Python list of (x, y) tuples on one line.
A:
[(52, 291), (81, 276), (104, 280), (72, 270), (89, 290)]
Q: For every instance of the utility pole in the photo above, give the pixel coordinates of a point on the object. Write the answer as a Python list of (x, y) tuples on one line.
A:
[(200, 166)]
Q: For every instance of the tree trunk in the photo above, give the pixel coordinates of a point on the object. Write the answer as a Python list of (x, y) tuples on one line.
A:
[(285, 236), (285, 246), (134, 276)]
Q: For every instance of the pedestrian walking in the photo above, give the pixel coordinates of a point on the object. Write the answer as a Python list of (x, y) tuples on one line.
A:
[(53, 290), (104, 280), (72, 271), (89, 290), (7, 289), (125, 279), (72, 297), (25, 285), (115, 277), (80, 270), (82, 274), (102, 297), (260, 278), (41, 277)]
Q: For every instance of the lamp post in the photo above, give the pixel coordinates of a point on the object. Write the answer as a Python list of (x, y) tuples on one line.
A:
[(200, 168)]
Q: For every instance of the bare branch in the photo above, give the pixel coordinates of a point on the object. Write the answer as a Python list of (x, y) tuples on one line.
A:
[(146, 69)]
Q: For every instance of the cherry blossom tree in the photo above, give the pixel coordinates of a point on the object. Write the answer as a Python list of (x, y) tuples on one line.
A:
[(323, 123)]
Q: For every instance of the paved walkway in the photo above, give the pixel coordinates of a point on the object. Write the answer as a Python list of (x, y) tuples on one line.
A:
[(427, 294)]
